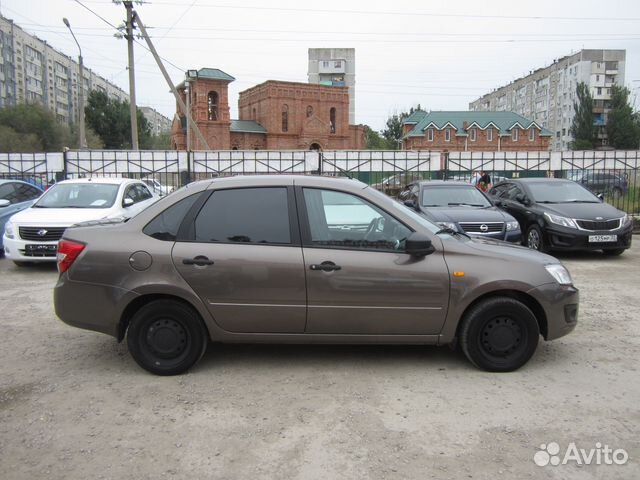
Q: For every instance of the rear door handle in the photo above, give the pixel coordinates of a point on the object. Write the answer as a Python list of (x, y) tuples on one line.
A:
[(325, 267), (200, 261)]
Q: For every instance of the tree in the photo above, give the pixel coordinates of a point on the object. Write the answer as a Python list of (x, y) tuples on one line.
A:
[(110, 119), (583, 130), (393, 131), (623, 129), (30, 128), (374, 141)]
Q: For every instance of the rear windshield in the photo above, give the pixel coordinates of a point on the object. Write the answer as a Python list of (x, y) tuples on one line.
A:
[(79, 195)]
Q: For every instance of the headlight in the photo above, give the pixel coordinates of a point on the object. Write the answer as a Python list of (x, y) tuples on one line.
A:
[(9, 230), (626, 220), (559, 273), (512, 226), (562, 221), (450, 225)]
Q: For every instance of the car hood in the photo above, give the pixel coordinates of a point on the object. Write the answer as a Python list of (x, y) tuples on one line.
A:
[(583, 211), (63, 217), (498, 249), (466, 214)]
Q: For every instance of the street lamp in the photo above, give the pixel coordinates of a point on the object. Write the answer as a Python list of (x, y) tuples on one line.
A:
[(82, 141)]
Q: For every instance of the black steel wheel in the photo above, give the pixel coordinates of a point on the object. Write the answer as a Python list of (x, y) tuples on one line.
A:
[(166, 337), (499, 334), (534, 239)]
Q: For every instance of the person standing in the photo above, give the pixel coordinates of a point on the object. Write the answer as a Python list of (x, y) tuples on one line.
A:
[(484, 182)]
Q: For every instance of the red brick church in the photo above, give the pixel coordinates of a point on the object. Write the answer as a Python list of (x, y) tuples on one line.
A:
[(273, 116)]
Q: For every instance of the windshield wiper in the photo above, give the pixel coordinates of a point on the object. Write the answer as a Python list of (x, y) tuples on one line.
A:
[(451, 231), (466, 204), (580, 201), (545, 201)]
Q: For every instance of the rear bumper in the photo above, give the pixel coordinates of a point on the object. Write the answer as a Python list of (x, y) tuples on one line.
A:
[(560, 305), (90, 306), (559, 238)]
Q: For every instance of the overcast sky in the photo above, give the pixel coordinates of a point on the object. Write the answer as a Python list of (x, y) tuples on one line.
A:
[(441, 56)]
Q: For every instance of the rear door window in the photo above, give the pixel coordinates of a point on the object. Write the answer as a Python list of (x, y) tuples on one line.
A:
[(245, 215)]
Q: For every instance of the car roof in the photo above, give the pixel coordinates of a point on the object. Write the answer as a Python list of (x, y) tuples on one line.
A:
[(103, 180), (302, 180), (7, 180), (446, 183)]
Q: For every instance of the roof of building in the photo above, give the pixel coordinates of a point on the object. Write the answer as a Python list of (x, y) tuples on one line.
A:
[(247, 126), (214, 74), (504, 121), (415, 117)]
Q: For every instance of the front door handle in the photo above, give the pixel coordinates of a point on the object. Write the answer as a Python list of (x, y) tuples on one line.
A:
[(200, 261), (325, 267)]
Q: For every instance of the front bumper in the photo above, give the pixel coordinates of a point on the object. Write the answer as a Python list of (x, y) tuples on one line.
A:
[(562, 238), (560, 305), (16, 249)]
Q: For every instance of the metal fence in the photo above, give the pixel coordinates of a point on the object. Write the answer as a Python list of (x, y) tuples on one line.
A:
[(615, 174)]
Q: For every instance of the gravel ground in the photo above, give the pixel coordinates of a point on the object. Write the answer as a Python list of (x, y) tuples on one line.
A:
[(74, 405)]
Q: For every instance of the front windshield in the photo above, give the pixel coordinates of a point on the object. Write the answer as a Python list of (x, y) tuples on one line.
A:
[(561, 192), (453, 195), (391, 206), (79, 195)]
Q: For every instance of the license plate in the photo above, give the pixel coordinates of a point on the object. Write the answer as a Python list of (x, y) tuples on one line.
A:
[(30, 248), (602, 238)]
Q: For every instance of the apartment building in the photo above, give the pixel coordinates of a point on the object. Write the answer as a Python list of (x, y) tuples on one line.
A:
[(335, 67), (547, 95), (32, 71), (159, 123)]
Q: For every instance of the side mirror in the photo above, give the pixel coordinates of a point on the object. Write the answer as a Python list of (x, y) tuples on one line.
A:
[(418, 245), (521, 198), (4, 203), (127, 202), (600, 196)]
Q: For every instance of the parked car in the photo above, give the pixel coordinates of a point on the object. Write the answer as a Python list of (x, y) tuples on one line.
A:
[(15, 196), (157, 187), (287, 259), (607, 183), (461, 207), (32, 235), (394, 183), (558, 214)]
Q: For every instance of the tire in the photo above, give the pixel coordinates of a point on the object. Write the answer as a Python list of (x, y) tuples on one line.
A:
[(614, 253), (499, 334), (166, 337), (534, 239)]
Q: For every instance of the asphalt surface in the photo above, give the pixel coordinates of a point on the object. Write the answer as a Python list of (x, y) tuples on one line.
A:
[(74, 405)]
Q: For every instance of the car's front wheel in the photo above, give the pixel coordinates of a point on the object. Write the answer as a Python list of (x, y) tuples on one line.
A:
[(499, 334), (534, 239), (166, 337)]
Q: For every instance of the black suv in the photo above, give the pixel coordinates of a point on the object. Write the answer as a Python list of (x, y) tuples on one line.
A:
[(557, 214)]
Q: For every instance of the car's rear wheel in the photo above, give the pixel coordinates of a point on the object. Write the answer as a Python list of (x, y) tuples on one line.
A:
[(534, 239), (614, 252), (499, 334), (166, 337)]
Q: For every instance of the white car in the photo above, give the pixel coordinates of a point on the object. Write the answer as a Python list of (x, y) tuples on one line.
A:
[(32, 235), (156, 187)]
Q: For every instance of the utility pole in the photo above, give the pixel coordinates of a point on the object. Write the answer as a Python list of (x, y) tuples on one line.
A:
[(132, 76), (82, 140), (183, 107)]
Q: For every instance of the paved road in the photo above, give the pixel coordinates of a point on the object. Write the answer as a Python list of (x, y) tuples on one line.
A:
[(73, 405)]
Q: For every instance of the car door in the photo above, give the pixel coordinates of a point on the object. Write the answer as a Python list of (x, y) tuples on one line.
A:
[(510, 202), (359, 280), (20, 195), (242, 256)]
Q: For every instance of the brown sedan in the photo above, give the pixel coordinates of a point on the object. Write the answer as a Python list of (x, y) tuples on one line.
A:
[(301, 259)]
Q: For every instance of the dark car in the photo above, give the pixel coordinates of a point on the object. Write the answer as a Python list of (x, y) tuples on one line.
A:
[(303, 259), (461, 207), (15, 196), (557, 214), (607, 183)]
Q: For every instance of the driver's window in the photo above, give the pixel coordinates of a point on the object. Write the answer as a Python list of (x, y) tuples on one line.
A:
[(338, 219)]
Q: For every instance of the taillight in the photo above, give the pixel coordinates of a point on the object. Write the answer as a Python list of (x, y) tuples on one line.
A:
[(68, 251)]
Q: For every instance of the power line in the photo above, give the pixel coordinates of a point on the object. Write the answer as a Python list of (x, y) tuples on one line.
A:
[(405, 13)]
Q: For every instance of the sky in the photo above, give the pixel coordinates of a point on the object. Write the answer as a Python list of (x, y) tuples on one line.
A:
[(440, 55)]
